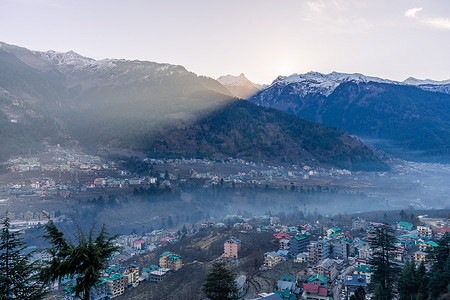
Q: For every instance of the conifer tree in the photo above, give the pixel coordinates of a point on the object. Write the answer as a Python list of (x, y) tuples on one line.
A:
[(384, 270), (439, 282), (18, 276), (86, 258), (220, 284)]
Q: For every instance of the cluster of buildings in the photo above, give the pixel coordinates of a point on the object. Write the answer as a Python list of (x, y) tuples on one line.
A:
[(338, 261), (117, 278)]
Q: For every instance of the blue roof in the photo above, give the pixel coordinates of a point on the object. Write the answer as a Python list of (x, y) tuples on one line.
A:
[(357, 280)]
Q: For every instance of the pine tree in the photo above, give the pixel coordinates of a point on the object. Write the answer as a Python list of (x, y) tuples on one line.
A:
[(220, 284), (86, 258), (408, 283), (440, 270), (384, 270), (18, 276)]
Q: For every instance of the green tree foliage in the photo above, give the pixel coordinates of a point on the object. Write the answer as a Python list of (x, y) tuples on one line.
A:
[(413, 282), (220, 284), (440, 270), (86, 258), (18, 277), (384, 270)]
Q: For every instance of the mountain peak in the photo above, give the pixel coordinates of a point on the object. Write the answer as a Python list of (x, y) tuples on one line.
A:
[(415, 81), (240, 86), (325, 83)]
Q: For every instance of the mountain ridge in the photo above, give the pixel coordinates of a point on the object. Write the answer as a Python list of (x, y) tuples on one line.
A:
[(144, 105)]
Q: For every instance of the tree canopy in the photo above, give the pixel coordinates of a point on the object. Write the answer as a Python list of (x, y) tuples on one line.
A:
[(86, 258), (220, 284)]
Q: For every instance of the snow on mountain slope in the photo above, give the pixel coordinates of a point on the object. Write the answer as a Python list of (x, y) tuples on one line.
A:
[(415, 81), (325, 84)]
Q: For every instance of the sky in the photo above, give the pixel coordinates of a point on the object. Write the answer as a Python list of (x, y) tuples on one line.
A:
[(260, 38)]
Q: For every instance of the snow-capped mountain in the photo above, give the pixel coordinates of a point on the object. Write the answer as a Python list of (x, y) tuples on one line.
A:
[(325, 84), (415, 81), (240, 86), (406, 115)]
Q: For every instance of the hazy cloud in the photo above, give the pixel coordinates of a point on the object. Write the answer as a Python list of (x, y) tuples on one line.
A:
[(442, 23), (412, 12)]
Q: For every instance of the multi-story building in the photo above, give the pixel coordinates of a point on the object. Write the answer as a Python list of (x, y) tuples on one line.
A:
[(425, 231), (358, 224), (427, 245), (284, 244), (131, 273), (159, 274), (420, 256), (271, 259), (115, 284), (170, 261), (231, 248), (299, 243), (440, 232), (318, 250), (365, 251), (327, 268), (341, 249)]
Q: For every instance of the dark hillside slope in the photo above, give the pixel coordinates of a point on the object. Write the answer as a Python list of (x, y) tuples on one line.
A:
[(244, 130), (404, 120)]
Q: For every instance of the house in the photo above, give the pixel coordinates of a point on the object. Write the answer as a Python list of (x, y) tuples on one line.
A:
[(231, 248), (405, 226), (281, 235), (116, 284), (327, 268), (287, 282), (170, 261), (284, 244), (425, 231), (241, 285), (312, 291), (439, 233), (299, 243), (286, 294), (427, 245), (399, 253), (318, 250), (420, 256), (365, 251), (353, 282), (159, 274), (358, 224), (271, 259), (301, 257), (334, 230), (318, 279), (139, 244)]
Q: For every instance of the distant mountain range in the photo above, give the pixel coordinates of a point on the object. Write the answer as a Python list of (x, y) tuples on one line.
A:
[(161, 109), (410, 119), (240, 86)]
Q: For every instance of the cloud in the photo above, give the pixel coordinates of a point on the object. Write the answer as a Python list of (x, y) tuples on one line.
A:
[(315, 6), (412, 12), (441, 23)]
